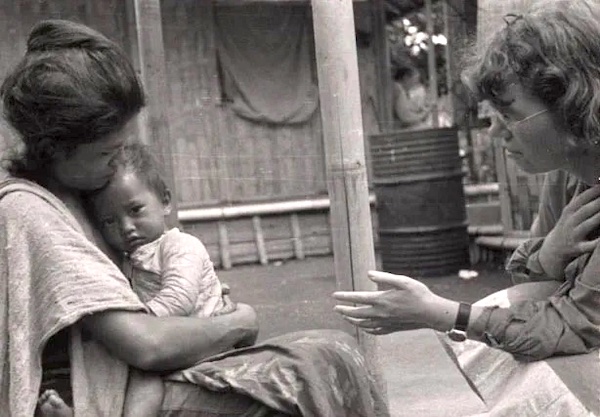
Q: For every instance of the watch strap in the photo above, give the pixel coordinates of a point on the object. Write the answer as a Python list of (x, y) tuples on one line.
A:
[(462, 317)]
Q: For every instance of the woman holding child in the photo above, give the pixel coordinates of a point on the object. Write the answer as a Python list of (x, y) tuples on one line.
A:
[(68, 316), (541, 73)]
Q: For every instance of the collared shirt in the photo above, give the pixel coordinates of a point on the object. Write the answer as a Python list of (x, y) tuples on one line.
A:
[(567, 322)]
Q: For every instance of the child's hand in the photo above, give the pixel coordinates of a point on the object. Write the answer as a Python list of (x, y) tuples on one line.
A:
[(228, 305)]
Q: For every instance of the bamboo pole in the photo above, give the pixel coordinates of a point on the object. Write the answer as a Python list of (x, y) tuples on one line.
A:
[(149, 47), (385, 99), (432, 65), (352, 233), (448, 52), (190, 214)]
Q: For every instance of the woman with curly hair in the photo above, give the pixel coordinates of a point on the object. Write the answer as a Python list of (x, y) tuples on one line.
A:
[(541, 74)]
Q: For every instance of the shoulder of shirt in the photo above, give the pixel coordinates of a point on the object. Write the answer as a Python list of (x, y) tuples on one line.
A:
[(22, 203), (174, 239)]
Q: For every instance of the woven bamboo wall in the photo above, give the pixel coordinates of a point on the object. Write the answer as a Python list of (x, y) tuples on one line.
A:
[(219, 157), (17, 18)]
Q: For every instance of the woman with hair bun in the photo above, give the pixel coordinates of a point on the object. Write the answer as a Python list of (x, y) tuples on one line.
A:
[(69, 320)]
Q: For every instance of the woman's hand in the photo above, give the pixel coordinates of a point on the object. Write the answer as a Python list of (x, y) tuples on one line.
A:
[(570, 237), (408, 305)]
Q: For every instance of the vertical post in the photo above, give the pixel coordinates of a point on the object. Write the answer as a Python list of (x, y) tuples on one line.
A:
[(383, 72), (458, 23), (432, 65), (149, 47), (352, 232), (448, 52)]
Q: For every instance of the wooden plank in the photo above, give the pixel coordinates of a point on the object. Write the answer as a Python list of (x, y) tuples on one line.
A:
[(260, 241), (296, 236), (432, 65), (151, 58), (382, 67), (224, 245)]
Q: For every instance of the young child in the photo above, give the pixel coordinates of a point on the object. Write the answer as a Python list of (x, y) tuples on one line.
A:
[(169, 270)]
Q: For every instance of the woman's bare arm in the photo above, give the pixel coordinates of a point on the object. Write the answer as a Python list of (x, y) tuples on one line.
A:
[(168, 343)]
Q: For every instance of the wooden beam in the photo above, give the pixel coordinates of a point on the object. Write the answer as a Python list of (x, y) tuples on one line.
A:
[(385, 114), (432, 65), (339, 93), (148, 47)]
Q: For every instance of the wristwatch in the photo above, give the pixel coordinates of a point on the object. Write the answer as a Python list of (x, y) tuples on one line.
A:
[(459, 332)]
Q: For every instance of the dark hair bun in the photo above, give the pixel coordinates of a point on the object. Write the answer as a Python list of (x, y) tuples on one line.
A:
[(52, 35)]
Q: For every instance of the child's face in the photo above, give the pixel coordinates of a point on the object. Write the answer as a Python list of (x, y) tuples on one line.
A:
[(130, 214)]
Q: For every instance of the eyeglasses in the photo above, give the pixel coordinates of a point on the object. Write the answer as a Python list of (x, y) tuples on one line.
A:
[(512, 124)]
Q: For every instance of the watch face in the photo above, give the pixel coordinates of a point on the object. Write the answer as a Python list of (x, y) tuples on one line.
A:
[(457, 335)]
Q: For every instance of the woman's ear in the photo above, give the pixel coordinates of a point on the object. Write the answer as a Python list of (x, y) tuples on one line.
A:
[(167, 203)]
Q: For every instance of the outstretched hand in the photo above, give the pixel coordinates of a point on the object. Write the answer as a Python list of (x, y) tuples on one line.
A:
[(404, 307)]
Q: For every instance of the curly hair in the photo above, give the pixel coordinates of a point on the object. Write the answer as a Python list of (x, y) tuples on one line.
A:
[(553, 52), (72, 86)]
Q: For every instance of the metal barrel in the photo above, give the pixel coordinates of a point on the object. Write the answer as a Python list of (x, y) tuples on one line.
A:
[(418, 181)]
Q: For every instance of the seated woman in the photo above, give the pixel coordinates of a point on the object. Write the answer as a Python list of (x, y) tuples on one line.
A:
[(69, 320), (541, 73)]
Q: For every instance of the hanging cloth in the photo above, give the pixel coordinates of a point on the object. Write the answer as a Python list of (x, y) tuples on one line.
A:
[(265, 61)]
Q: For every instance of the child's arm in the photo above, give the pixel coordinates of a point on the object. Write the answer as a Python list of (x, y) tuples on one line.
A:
[(184, 263)]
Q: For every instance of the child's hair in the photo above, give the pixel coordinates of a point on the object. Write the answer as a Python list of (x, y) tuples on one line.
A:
[(73, 86), (553, 51), (139, 160)]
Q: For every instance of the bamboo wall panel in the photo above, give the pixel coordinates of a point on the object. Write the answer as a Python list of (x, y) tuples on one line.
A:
[(278, 237), (193, 99), (18, 17), (220, 158)]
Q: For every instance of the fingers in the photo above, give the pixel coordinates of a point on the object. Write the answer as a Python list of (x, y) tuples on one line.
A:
[(368, 297), (587, 203), (590, 246), (397, 281), (357, 297), (591, 223), (362, 312)]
